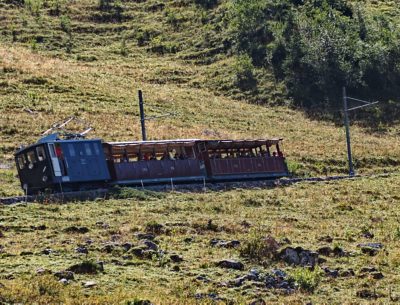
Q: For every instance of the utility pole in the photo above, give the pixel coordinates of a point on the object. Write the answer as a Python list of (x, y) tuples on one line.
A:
[(142, 117), (347, 124)]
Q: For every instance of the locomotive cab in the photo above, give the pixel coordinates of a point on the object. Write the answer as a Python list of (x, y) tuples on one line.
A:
[(63, 165), (34, 168)]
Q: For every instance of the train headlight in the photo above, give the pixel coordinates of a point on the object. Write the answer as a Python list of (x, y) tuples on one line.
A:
[(45, 178)]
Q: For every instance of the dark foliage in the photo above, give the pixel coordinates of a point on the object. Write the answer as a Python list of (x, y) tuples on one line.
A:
[(316, 47)]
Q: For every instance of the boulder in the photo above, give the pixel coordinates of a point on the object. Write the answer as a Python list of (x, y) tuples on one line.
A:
[(230, 264)]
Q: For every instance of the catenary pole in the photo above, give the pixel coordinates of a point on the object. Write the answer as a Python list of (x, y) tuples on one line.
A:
[(348, 141), (142, 117)]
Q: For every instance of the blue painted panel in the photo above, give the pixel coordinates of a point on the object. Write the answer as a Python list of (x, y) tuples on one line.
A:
[(84, 160)]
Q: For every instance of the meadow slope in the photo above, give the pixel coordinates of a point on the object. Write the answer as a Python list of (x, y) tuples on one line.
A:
[(76, 59)]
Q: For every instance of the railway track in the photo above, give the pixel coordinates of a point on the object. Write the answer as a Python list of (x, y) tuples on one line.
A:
[(198, 187)]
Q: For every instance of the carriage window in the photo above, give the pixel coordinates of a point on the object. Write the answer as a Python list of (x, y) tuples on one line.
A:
[(21, 161), (71, 149), (31, 156), (88, 150), (96, 149), (40, 153)]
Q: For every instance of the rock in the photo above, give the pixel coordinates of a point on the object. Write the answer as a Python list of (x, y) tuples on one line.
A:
[(25, 253), (69, 275), (103, 225), (108, 248), (299, 256), (230, 264), (279, 273), (367, 294), (176, 268), (89, 284), (368, 269), (376, 246), (325, 251), (224, 244), (331, 272), (126, 246), (326, 238), (369, 251), (87, 267), (176, 258), (339, 252), (47, 251), (82, 250), (203, 278), (346, 273), (42, 271), (147, 236), (141, 302), (75, 229), (39, 228), (377, 275), (290, 256), (188, 240), (64, 281), (368, 235), (150, 245)]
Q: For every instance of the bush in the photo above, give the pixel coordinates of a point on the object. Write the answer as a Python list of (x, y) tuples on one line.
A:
[(206, 3), (307, 279), (244, 73), (259, 248)]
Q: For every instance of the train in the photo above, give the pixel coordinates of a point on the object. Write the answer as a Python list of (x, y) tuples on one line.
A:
[(64, 163)]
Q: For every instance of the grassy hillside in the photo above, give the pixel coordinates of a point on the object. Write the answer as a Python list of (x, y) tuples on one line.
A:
[(85, 62), (62, 57), (338, 215)]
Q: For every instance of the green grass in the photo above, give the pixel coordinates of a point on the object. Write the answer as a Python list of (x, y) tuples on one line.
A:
[(82, 62), (306, 213)]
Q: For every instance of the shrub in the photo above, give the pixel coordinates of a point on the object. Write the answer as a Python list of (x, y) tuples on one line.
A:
[(307, 279), (206, 3), (244, 72), (259, 248)]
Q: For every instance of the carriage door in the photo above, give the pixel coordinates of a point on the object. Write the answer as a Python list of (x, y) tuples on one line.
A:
[(81, 157)]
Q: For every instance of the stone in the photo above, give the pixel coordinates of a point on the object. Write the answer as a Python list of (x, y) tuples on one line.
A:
[(64, 281), (290, 256), (203, 278), (331, 272), (39, 227), (369, 251), (127, 246), (367, 294), (150, 245), (47, 251), (368, 269), (377, 275), (368, 235), (224, 244), (376, 246), (69, 275), (42, 271), (25, 253), (82, 250), (176, 268), (339, 252), (147, 236), (326, 238), (87, 267), (346, 273), (299, 256), (176, 258), (325, 251), (230, 264), (108, 248), (75, 229), (89, 284)]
